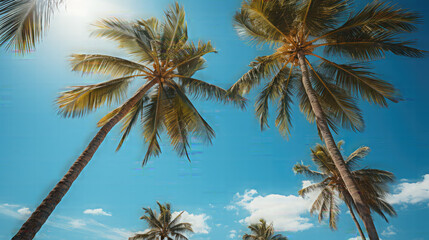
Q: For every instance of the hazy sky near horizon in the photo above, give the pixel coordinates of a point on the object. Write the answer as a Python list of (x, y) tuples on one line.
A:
[(246, 174)]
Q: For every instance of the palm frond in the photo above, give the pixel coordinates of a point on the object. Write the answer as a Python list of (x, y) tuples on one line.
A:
[(376, 16), (357, 79), (195, 122), (23, 22), (338, 103), (278, 87), (357, 156), (201, 89), (153, 123), (191, 52), (134, 37), (263, 67), (130, 120), (104, 64), (274, 18), (175, 33), (305, 170), (318, 16), (84, 99)]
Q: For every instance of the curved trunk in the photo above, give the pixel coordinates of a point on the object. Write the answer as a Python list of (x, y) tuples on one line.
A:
[(44, 210), (333, 150)]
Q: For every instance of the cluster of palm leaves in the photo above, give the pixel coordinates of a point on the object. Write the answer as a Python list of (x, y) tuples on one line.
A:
[(262, 231), (164, 59), (372, 183), (163, 226), (316, 28), (321, 55)]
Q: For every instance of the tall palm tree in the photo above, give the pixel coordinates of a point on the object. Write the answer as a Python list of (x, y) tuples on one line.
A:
[(372, 184), (163, 226), (262, 231), (23, 22), (164, 63), (303, 31)]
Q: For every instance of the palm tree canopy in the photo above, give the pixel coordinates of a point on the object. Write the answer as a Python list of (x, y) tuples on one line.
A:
[(372, 184), (262, 231), (322, 29), (23, 22), (163, 57), (163, 225)]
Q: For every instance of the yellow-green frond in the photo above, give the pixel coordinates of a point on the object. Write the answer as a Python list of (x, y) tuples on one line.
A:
[(84, 99)]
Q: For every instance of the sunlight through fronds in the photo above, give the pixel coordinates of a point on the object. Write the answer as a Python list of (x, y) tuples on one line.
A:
[(23, 22)]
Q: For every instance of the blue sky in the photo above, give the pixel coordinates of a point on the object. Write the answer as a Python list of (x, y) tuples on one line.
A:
[(244, 175)]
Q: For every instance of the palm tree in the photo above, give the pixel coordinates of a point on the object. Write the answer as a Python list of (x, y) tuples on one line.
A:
[(304, 30), (23, 22), (166, 61), (163, 225), (262, 231), (372, 184)]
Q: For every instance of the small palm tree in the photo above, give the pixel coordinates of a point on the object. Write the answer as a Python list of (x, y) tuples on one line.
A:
[(372, 184), (164, 62), (305, 31), (163, 226), (262, 231), (23, 22)]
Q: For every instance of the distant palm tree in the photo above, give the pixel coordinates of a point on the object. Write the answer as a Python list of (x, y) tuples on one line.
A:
[(372, 184), (165, 63), (23, 22), (262, 231), (305, 30), (163, 226)]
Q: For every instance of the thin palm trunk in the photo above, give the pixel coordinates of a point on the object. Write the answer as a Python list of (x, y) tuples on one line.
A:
[(33, 224), (356, 221), (323, 127)]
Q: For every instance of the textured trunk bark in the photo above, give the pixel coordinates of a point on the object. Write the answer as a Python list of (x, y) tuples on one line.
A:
[(362, 209), (356, 222), (44, 210)]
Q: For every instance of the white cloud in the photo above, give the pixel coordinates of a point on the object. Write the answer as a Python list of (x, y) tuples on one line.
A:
[(77, 223), (198, 221), (231, 207), (232, 234), (411, 193), (25, 211), (14, 211), (287, 212), (390, 231), (97, 211), (211, 205)]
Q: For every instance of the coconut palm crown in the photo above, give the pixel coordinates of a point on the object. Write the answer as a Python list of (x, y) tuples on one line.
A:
[(164, 61), (339, 43), (372, 183), (163, 226), (262, 231)]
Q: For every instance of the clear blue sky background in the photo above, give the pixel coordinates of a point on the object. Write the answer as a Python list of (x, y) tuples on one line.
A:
[(37, 146)]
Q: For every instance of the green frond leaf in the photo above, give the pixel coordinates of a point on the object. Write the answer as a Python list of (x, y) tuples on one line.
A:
[(357, 79), (263, 67), (23, 22), (104, 64), (84, 99), (201, 89)]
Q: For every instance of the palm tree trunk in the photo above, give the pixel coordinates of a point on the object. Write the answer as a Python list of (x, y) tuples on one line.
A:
[(323, 127), (356, 222), (44, 210)]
